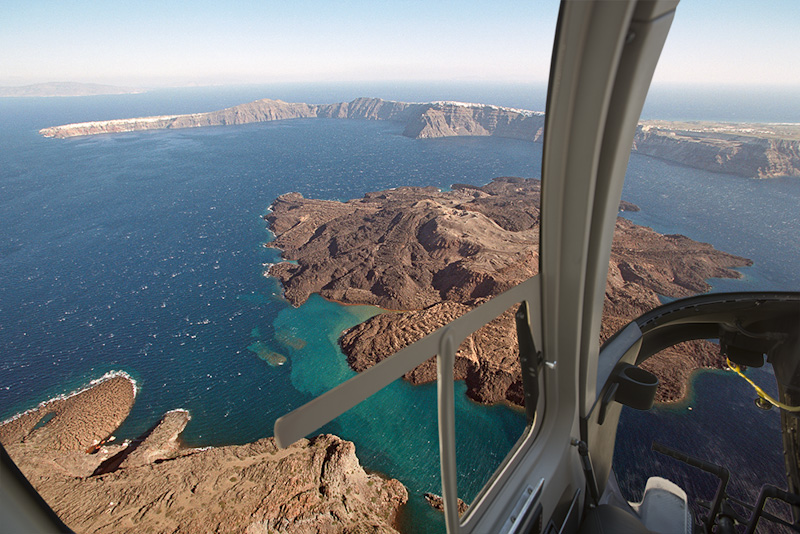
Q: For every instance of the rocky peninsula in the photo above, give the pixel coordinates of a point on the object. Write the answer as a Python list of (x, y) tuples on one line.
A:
[(434, 255), (66, 450), (749, 150)]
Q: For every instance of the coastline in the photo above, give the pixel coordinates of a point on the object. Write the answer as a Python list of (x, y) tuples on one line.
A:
[(753, 150), (431, 256), (155, 480), (97, 355), (64, 396), (686, 402), (680, 390), (686, 389), (78, 420)]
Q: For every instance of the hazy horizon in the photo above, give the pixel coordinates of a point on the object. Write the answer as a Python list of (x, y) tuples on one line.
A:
[(751, 104), (179, 44)]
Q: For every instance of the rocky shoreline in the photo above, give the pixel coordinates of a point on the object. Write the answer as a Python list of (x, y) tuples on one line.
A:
[(153, 484), (742, 149), (435, 255), (750, 150)]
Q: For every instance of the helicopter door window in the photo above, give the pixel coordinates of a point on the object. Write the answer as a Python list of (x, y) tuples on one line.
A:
[(488, 362), (700, 214)]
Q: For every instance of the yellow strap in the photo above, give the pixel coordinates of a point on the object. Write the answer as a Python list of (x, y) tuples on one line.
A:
[(761, 393)]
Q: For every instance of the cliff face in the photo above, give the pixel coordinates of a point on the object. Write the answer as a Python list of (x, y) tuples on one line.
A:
[(152, 484), (448, 119), (438, 254), (753, 151), (438, 119), (750, 150), (258, 111), (370, 109)]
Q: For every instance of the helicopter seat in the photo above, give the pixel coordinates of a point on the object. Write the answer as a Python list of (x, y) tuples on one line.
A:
[(664, 507), (610, 519), (662, 510)]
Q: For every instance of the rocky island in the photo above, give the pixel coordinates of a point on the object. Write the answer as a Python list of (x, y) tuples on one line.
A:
[(749, 150), (66, 450), (434, 255)]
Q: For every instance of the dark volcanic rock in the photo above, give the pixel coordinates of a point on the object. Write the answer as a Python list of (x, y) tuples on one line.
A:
[(437, 503), (437, 255), (402, 249)]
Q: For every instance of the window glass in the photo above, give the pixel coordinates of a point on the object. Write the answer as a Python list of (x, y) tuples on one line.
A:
[(228, 212), (709, 205)]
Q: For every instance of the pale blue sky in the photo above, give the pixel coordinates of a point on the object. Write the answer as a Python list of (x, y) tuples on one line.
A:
[(151, 43)]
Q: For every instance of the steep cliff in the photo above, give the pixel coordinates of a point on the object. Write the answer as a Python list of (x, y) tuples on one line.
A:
[(259, 111), (374, 109), (750, 150), (448, 119)]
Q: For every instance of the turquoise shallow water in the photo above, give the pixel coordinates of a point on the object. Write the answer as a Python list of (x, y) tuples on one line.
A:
[(395, 430), (143, 252)]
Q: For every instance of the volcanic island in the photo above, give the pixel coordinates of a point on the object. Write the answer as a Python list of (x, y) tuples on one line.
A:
[(745, 149), (433, 255)]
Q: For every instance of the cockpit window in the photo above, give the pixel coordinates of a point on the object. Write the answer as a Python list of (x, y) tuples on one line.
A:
[(709, 206), (184, 265)]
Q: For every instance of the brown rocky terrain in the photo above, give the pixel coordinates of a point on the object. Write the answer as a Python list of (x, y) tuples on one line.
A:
[(74, 423), (400, 249), (750, 150), (437, 503), (436, 255), (153, 485)]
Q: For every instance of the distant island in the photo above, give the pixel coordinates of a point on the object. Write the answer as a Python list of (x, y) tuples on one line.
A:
[(742, 149), (435, 255), (66, 450), (65, 89)]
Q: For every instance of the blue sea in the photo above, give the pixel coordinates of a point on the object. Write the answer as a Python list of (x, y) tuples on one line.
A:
[(144, 252)]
